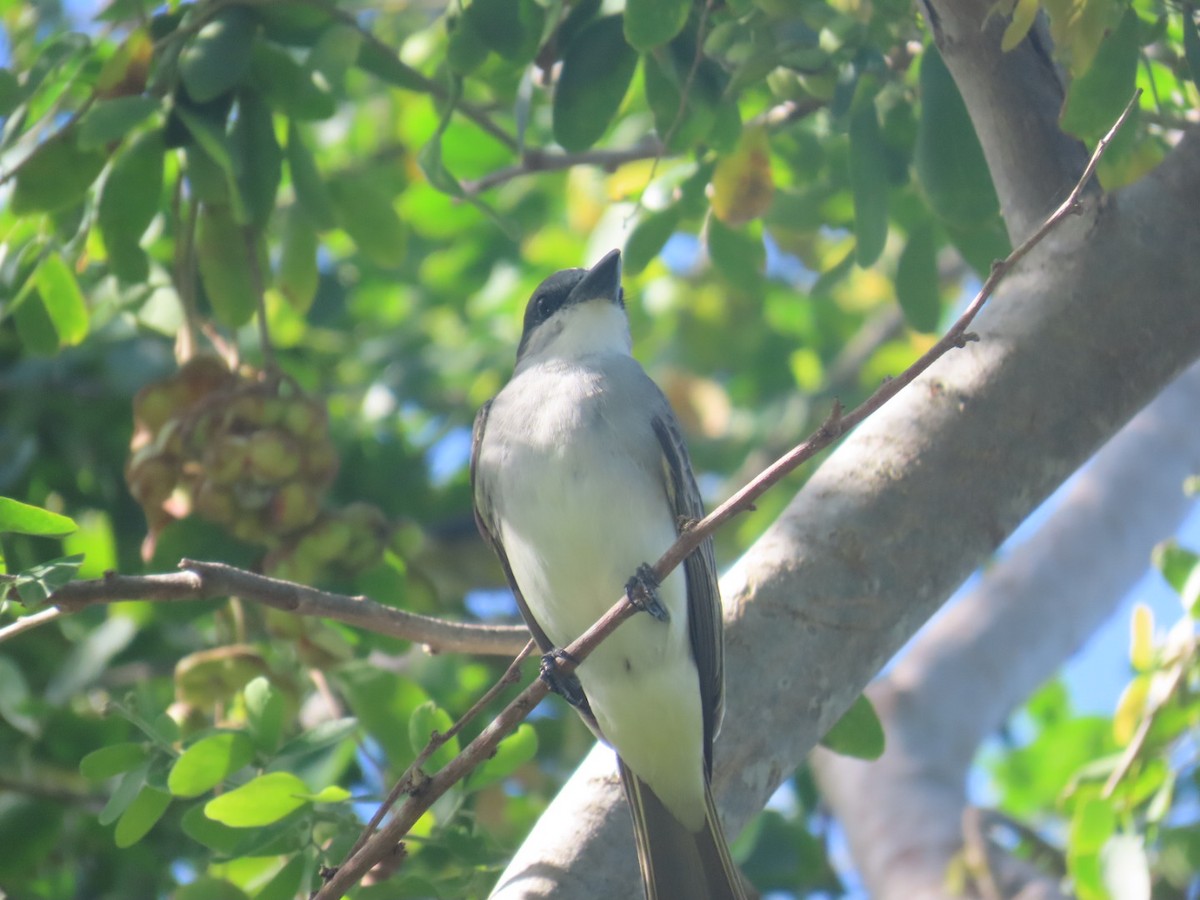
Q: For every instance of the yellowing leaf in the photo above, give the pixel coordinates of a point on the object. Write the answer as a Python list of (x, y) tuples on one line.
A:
[(1130, 707), (125, 72), (1096, 98), (1023, 17), (1141, 638), (742, 184), (1078, 26)]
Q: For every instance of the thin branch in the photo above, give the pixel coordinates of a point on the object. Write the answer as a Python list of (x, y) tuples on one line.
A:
[(535, 160), (412, 777), (836, 424), (30, 622), (207, 581)]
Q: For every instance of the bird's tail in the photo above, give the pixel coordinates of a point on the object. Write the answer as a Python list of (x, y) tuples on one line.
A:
[(678, 864)]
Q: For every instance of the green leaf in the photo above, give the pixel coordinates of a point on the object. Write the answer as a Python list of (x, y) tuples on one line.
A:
[(1191, 42), (317, 738), (513, 752), (308, 183), (868, 176), (113, 760), (217, 837), (1092, 824), (127, 789), (219, 56), (596, 71), (1097, 97), (265, 711), (63, 299), (948, 157), (208, 888), (298, 274), (35, 585), (10, 92), (981, 247), (139, 817), (129, 201), (288, 87), (917, 280), (266, 799), (111, 120), (14, 699), (331, 794), (34, 327), (21, 518), (1181, 569), (212, 140), (684, 99), (286, 883), (336, 50), (465, 47), (649, 23), (56, 176), (257, 159), (208, 762), (384, 63), (366, 213), (223, 251), (512, 28), (857, 733), (738, 253), (648, 238), (424, 721)]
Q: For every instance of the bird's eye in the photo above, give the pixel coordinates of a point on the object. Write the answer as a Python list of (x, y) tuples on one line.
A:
[(542, 304)]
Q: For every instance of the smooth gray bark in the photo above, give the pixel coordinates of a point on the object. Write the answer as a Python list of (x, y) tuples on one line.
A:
[(963, 675)]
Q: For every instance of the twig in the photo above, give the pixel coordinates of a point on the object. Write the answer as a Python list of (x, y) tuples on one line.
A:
[(408, 781), (207, 580), (836, 424), (30, 622), (536, 160)]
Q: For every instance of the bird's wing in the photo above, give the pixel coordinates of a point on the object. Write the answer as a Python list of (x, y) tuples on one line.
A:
[(700, 569), (483, 520)]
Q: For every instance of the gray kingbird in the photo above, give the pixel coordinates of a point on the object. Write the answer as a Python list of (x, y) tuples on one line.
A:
[(580, 475)]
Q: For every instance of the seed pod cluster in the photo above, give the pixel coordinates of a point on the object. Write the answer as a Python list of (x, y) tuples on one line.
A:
[(253, 455)]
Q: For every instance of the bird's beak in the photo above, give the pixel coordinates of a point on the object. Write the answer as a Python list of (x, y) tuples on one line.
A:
[(602, 282)]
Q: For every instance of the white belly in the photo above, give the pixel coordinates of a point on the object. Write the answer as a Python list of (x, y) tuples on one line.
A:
[(573, 538)]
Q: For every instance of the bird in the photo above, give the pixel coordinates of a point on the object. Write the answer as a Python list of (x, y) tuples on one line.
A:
[(579, 475)]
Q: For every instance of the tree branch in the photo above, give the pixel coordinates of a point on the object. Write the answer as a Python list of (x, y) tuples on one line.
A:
[(208, 581), (963, 675), (536, 160)]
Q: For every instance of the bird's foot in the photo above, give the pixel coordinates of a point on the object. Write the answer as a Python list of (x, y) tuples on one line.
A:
[(642, 591), (565, 684)]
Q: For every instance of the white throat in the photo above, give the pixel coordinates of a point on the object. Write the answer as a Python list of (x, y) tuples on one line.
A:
[(592, 328)]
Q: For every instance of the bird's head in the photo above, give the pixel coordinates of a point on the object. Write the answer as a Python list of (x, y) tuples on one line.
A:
[(576, 313)]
